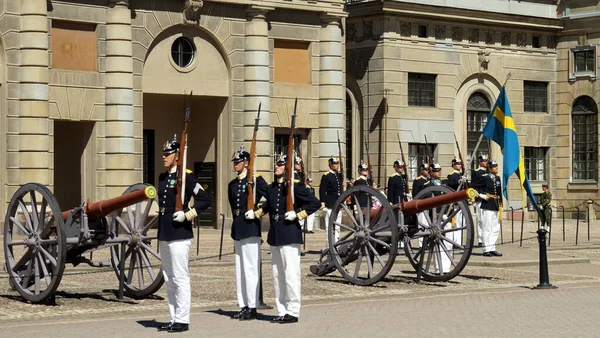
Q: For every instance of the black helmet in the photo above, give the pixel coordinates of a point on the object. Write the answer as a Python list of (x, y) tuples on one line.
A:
[(435, 167), (170, 147), (240, 155), (362, 166), (423, 166), (483, 157), (492, 163), (398, 164), (333, 160), (456, 161), (280, 159)]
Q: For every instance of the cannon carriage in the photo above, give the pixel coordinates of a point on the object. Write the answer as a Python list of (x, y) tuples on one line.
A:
[(40, 239), (434, 231)]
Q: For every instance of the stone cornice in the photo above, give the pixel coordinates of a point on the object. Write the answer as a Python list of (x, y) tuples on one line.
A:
[(333, 7)]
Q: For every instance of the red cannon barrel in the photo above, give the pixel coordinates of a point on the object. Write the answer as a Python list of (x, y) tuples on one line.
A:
[(416, 206), (102, 208)]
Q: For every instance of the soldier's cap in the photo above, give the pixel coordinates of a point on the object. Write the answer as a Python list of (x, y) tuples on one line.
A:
[(240, 155), (170, 147), (333, 160), (456, 161), (483, 157), (545, 185), (362, 166), (398, 164), (435, 167), (280, 159), (492, 163), (423, 166)]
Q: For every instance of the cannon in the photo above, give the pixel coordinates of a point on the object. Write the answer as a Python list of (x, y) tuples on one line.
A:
[(435, 231), (39, 239)]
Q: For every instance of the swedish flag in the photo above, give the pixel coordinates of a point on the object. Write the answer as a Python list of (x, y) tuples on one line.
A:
[(500, 128)]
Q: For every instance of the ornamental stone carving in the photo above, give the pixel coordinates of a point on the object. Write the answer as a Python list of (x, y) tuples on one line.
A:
[(457, 34), (191, 12), (405, 29), (489, 37), (505, 38), (483, 57), (551, 42), (440, 32), (474, 38), (521, 39)]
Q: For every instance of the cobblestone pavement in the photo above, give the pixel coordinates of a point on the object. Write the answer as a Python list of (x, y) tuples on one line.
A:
[(86, 291)]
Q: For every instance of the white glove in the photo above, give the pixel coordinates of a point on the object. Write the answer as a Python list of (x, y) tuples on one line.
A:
[(462, 179), (249, 214), (290, 216), (179, 216), (484, 197)]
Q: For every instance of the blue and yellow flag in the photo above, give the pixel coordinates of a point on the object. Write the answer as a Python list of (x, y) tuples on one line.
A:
[(500, 128)]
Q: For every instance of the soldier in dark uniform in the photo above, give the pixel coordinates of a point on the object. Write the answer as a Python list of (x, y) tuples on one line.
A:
[(329, 191), (477, 183), (420, 180), (397, 184), (491, 204), (455, 180), (363, 198), (545, 200), (436, 179), (175, 235), (285, 238), (298, 172), (245, 232)]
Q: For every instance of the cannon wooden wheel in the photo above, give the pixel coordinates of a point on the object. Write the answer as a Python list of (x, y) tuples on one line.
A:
[(366, 249), (34, 242), (143, 274), (439, 239)]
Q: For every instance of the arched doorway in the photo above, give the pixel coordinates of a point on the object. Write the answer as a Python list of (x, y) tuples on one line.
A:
[(584, 118), (182, 60), (478, 109)]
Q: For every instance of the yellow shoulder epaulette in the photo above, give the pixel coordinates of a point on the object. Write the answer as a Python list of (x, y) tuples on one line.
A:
[(189, 171), (257, 175), (325, 173), (296, 181)]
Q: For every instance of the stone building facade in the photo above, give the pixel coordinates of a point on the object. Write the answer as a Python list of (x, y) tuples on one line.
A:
[(92, 89), (440, 68)]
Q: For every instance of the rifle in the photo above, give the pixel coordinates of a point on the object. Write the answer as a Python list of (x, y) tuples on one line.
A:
[(405, 164), (367, 149), (341, 163), (289, 203), (251, 174), (182, 160), (429, 155), (461, 160)]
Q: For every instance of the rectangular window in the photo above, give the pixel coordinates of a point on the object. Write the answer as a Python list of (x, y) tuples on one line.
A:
[(281, 142), (585, 147), (421, 90), (422, 31), (535, 41), (535, 163), (148, 156), (291, 61), (418, 153), (74, 46), (535, 96), (583, 61)]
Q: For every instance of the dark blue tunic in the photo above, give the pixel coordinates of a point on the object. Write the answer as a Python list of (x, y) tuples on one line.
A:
[(169, 230), (330, 188), (397, 188), (243, 228), (493, 188)]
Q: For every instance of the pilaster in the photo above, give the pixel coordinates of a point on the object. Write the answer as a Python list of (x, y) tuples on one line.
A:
[(119, 119), (331, 88)]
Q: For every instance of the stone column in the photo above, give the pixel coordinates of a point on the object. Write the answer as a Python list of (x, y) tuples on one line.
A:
[(119, 127), (331, 90), (257, 87), (28, 132)]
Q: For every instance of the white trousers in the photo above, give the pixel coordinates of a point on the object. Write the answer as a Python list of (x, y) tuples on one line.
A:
[(490, 229), (479, 221), (309, 222), (174, 259), (337, 227), (285, 262), (247, 265), (455, 236), (422, 220)]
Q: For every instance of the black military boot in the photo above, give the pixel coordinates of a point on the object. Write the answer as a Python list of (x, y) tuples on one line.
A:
[(241, 313), (249, 315), (179, 327), (164, 327)]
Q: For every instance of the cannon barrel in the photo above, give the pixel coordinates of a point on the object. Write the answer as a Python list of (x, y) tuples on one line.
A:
[(416, 206), (102, 208)]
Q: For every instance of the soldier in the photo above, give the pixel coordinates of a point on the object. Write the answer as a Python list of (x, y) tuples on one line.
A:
[(490, 206), (417, 186), (298, 172), (363, 198), (436, 179), (545, 200), (329, 191), (246, 235), (455, 180), (309, 221), (175, 235), (397, 184), (477, 183), (285, 237)]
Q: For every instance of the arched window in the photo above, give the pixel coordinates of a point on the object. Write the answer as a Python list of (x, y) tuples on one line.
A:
[(478, 109), (585, 139)]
